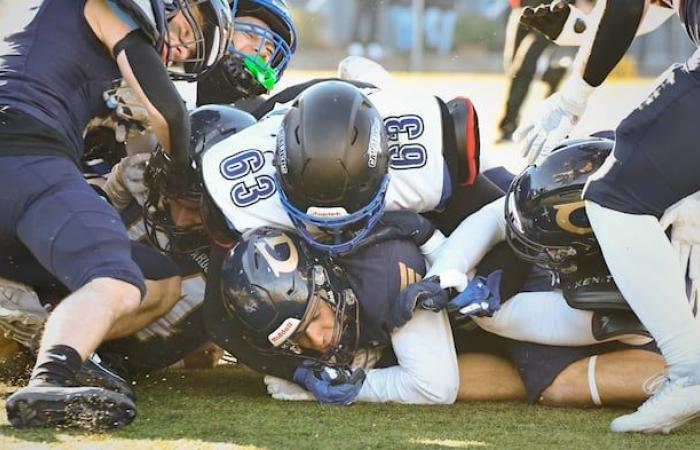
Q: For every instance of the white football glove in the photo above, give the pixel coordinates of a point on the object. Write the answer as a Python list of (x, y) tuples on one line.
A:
[(560, 113), (281, 389), (684, 219), (125, 181)]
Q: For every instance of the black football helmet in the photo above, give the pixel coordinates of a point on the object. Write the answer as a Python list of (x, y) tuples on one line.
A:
[(209, 125), (332, 163), (546, 221), (273, 283)]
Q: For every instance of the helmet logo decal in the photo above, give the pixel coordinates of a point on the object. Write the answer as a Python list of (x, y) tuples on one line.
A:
[(282, 152), (375, 143), (563, 216), (318, 211), (279, 266), (284, 331)]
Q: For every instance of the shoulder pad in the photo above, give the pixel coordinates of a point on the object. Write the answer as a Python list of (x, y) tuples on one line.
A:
[(463, 123), (150, 15)]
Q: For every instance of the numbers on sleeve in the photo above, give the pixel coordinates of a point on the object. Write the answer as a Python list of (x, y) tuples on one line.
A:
[(405, 155), (241, 165), (411, 125), (409, 156)]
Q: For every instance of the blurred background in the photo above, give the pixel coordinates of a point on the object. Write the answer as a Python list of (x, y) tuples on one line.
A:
[(440, 35), (459, 47)]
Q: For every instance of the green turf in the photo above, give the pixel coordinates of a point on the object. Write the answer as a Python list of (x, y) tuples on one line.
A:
[(228, 408)]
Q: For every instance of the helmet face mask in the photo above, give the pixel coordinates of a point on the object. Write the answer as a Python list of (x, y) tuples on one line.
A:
[(211, 25), (332, 164), (276, 285), (255, 73), (546, 221), (210, 125), (333, 229)]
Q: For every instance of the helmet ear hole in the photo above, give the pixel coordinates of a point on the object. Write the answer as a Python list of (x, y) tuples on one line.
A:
[(354, 136), (296, 135)]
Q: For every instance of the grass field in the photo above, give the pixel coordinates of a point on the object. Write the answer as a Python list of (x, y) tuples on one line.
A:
[(228, 408)]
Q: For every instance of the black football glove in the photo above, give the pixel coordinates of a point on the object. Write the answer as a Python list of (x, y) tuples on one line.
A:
[(550, 18), (426, 294)]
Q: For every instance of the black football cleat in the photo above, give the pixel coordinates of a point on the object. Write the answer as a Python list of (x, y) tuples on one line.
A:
[(90, 408), (95, 373)]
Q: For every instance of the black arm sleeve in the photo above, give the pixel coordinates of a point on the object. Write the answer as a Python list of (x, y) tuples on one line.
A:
[(617, 29), (151, 75)]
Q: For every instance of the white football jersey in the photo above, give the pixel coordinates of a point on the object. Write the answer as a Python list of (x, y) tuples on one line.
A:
[(239, 173)]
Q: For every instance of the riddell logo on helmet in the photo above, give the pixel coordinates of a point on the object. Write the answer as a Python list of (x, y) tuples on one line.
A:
[(316, 211), (284, 331), (375, 144)]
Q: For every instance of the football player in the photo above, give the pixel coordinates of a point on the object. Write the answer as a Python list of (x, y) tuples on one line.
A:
[(261, 46), (175, 284), (428, 149), (289, 310), (651, 169), (545, 225), (45, 103)]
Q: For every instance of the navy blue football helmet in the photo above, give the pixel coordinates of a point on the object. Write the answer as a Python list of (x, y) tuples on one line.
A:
[(546, 221), (332, 163), (209, 125), (273, 283)]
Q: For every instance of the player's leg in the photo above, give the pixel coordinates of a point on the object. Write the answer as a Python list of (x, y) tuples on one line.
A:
[(76, 235), (654, 164), (485, 377), (520, 76), (163, 287), (485, 372), (619, 378)]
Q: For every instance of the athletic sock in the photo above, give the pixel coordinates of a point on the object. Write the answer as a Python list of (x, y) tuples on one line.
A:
[(646, 269), (58, 364)]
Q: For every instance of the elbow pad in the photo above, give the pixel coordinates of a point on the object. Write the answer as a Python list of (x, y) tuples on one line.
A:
[(618, 26)]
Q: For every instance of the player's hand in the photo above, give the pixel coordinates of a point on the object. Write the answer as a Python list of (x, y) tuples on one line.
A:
[(684, 219), (551, 19), (330, 384), (432, 293), (399, 225), (559, 114), (125, 182), (281, 389), (126, 104), (480, 298)]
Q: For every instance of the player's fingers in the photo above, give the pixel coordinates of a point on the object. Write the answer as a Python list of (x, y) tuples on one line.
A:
[(522, 131), (668, 218), (694, 263), (683, 252), (536, 143)]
